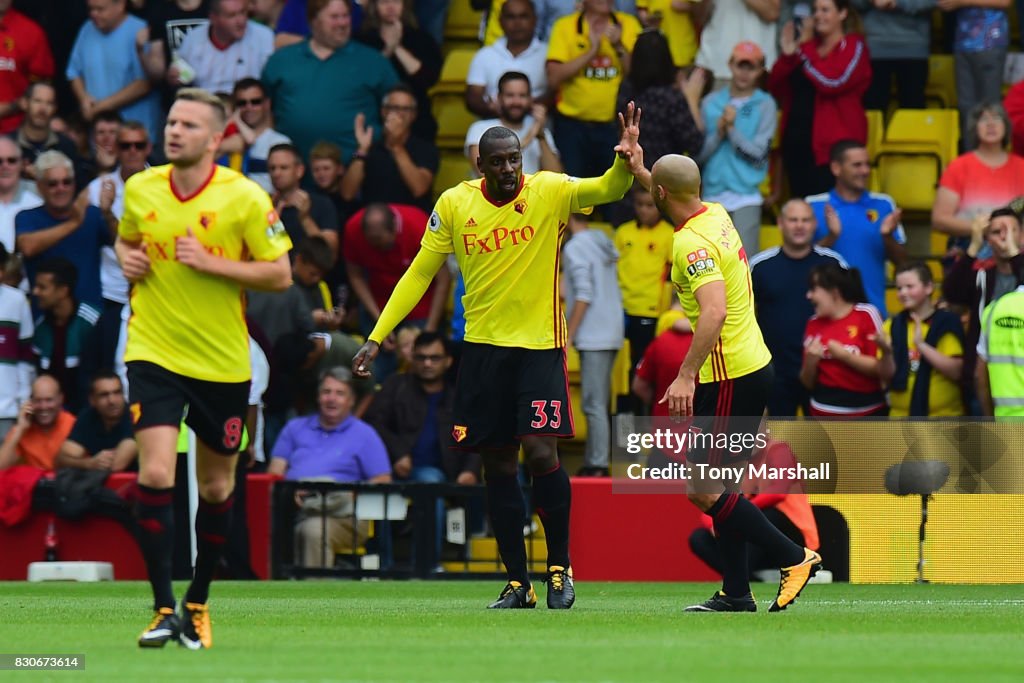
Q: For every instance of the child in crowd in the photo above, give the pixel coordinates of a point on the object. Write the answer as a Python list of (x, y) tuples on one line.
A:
[(740, 123), (645, 256), (921, 350), (840, 367)]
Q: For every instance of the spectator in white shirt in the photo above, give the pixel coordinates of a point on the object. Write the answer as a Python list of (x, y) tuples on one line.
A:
[(519, 113), (231, 48), (518, 51), (15, 194)]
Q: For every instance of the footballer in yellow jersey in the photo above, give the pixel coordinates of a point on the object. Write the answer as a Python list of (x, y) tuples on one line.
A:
[(505, 230), (710, 273), (192, 236)]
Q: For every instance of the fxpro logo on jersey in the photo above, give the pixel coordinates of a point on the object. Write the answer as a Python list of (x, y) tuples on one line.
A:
[(699, 263), (496, 240)]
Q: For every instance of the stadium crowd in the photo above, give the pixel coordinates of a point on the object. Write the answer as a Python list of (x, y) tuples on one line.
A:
[(332, 114)]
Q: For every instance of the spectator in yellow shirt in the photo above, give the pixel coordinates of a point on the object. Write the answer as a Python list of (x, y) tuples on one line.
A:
[(645, 256), (588, 55)]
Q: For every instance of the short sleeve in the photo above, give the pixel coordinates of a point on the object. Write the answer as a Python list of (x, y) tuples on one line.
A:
[(128, 226), (41, 66), (949, 345), (374, 461), (645, 368), (872, 326), (955, 176), (285, 444), (76, 62), (630, 30), (264, 235), (477, 74), (699, 262), (558, 43), (438, 235)]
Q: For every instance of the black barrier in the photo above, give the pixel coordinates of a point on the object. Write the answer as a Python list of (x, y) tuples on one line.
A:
[(403, 542)]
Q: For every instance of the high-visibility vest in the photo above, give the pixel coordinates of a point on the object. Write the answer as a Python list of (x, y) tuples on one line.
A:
[(1003, 324)]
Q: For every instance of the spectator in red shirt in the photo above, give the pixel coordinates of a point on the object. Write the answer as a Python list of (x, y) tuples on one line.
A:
[(819, 79), (24, 57), (660, 363), (380, 243), (1014, 105), (840, 366)]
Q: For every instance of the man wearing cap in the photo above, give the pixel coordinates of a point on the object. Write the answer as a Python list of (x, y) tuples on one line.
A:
[(732, 21), (739, 124)]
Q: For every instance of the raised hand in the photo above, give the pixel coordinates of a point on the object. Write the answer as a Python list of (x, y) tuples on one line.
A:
[(364, 134), (629, 135), (890, 222), (835, 226)]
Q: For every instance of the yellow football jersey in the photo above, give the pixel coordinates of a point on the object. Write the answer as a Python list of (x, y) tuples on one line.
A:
[(644, 256), (944, 397), (509, 255), (188, 322), (590, 94), (707, 249)]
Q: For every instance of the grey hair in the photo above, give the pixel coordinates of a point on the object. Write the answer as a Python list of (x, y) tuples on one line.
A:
[(339, 373), (53, 159), (975, 116)]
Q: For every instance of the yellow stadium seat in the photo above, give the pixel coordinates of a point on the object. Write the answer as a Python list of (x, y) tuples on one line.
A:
[(938, 128), (876, 132), (453, 169), (453, 121), (620, 374), (939, 240), (771, 236), (941, 86), (453, 73), (910, 180), (463, 22), (892, 301), (918, 145)]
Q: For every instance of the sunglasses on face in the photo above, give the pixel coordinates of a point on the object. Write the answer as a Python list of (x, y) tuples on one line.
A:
[(254, 102), (60, 182), (125, 146)]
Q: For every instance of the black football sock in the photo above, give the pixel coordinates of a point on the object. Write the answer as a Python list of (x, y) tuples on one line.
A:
[(507, 510), (735, 515), (735, 569), (155, 512), (213, 522), (552, 498)]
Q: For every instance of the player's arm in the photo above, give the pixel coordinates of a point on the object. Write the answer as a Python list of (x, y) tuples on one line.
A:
[(269, 276), (610, 187), (408, 292), (711, 300), (132, 257)]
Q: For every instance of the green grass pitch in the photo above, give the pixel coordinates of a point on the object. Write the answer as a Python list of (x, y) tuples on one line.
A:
[(439, 631)]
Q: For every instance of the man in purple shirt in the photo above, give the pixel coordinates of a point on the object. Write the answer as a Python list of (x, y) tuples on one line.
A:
[(331, 445)]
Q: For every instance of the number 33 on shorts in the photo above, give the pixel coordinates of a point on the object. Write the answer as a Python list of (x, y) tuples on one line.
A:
[(546, 414)]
